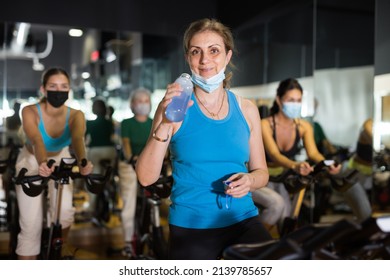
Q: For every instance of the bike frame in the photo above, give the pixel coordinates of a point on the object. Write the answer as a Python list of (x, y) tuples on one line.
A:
[(51, 245)]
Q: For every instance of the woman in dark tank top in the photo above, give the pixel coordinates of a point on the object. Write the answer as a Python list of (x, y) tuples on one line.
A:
[(282, 131), (293, 151)]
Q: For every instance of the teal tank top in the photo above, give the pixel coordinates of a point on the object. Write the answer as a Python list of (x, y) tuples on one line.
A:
[(58, 143), (205, 152)]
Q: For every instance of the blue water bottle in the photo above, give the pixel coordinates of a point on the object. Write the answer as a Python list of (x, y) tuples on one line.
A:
[(177, 109)]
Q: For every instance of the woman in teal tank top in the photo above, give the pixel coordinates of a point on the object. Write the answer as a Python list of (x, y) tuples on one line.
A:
[(50, 127), (217, 144)]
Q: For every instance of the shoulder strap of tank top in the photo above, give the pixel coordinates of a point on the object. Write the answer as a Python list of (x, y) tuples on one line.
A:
[(273, 126), (297, 124), (39, 111), (67, 116)]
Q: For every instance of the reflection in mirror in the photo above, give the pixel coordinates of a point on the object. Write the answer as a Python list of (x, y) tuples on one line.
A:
[(343, 86), (343, 76), (273, 46), (381, 124), (381, 139), (102, 63)]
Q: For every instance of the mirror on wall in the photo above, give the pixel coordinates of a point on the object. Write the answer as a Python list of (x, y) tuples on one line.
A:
[(273, 46), (107, 64), (344, 68), (327, 44), (381, 118)]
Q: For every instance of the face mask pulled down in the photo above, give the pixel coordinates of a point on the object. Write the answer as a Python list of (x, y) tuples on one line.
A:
[(210, 84), (57, 98), (292, 109)]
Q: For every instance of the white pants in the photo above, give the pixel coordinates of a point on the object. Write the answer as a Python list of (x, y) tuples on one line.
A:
[(128, 187), (31, 208), (276, 202)]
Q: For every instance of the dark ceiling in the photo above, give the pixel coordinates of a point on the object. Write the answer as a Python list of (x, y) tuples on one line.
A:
[(158, 17)]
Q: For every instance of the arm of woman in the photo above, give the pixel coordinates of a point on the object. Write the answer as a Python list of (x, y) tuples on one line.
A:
[(150, 161), (77, 129), (30, 127), (311, 148), (367, 126), (258, 176), (309, 142)]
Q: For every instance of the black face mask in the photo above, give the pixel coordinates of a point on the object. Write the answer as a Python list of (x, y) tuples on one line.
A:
[(57, 98)]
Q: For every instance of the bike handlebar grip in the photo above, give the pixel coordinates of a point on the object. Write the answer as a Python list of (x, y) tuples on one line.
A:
[(84, 162), (50, 163), (20, 176)]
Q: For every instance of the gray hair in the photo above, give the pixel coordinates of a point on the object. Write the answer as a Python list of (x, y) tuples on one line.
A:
[(138, 92)]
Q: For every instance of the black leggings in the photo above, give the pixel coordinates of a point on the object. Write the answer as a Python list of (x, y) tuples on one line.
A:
[(208, 244)]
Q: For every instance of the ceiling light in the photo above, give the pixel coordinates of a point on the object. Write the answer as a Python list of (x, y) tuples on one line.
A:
[(75, 32), (110, 56), (85, 75)]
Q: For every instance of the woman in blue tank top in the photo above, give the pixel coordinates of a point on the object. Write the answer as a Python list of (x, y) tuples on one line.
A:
[(218, 141), (50, 127)]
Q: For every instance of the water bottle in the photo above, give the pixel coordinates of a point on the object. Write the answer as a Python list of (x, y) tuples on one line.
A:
[(177, 109)]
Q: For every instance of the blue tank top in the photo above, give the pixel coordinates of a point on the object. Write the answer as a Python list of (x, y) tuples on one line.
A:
[(205, 152), (58, 143)]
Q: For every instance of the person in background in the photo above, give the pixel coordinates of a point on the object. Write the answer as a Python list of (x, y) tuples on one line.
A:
[(282, 132), (134, 134), (117, 125), (362, 161), (50, 128), (13, 126), (322, 189), (263, 111), (99, 135), (217, 144), (324, 146)]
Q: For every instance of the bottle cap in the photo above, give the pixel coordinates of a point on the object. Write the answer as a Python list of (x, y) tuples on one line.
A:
[(186, 75)]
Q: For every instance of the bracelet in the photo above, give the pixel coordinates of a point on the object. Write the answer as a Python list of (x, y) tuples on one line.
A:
[(158, 138)]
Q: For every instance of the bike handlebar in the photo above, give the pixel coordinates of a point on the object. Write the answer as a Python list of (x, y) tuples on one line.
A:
[(66, 170), (295, 182), (162, 187)]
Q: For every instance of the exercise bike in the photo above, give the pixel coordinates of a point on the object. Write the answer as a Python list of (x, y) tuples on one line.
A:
[(344, 240), (34, 185), (297, 186), (149, 234)]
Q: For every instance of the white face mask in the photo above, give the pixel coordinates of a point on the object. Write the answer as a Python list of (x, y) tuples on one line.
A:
[(292, 109), (142, 109), (210, 84)]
